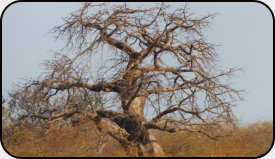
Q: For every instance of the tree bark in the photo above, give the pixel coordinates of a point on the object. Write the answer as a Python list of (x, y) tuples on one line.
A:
[(148, 146)]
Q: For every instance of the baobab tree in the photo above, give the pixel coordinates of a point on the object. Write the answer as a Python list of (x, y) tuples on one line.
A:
[(136, 60)]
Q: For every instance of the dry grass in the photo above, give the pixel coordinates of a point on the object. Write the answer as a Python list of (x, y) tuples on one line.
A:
[(82, 140)]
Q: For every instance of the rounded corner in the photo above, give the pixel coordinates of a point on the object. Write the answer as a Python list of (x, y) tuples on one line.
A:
[(266, 6), (7, 152), (269, 150), (10, 4)]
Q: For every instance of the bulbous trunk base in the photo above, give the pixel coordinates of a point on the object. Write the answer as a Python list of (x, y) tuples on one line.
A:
[(143, 142), (150, 149)]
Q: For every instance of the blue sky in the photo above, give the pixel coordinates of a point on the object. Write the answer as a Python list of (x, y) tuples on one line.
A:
[(244, 32)]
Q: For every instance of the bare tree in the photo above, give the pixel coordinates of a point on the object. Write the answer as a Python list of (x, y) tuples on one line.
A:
[(133, 59)]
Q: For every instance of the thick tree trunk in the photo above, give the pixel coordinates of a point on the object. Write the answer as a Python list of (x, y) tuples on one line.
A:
[(148, 146), (137, 106), (152, 148)]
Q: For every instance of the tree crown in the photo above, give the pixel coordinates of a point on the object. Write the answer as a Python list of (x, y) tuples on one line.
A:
[(154, 58)]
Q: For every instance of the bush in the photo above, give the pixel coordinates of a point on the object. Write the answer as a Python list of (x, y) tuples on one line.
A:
[(82, 140)]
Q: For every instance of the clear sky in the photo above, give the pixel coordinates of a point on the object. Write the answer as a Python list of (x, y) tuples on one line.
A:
[(244, 32)]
